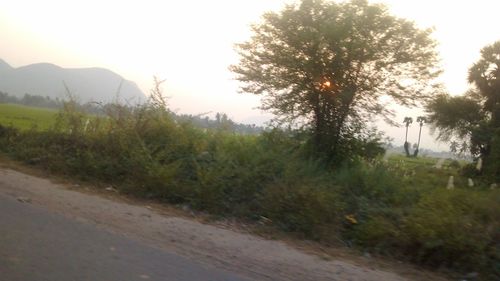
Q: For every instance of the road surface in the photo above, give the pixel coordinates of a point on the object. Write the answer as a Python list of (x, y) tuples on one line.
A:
[(38, 245)]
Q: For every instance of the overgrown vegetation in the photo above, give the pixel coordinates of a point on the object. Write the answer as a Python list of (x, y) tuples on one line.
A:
[(399, 208)]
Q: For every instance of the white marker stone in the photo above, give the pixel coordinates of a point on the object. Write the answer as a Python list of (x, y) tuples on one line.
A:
[(479, 164), (86, 125), (470, 182), (450, 183), (439, 163)]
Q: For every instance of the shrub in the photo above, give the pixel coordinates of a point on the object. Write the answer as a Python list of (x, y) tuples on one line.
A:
[(458, 228), (309, 210)]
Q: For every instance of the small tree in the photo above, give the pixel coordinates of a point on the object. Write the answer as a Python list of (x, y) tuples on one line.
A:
[(421, 120), (326, 65), (407, 121)]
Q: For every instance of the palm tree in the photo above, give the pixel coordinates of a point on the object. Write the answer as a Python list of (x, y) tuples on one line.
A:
[(421, 120), (407, 121)]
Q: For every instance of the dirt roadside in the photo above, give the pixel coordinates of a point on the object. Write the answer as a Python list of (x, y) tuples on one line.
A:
[(218, 244)]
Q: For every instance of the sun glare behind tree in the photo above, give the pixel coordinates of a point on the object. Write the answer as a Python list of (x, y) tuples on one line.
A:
[(363, 48)]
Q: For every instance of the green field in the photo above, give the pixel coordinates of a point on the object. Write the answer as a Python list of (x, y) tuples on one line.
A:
[(25, 117)]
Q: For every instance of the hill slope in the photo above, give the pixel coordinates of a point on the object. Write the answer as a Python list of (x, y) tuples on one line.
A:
[(88, 84)]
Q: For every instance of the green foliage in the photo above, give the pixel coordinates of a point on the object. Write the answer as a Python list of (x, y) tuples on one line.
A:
[(398, 208), (455, 229), (474, 116), (492, 166), (485, 75), (304, 208), (326, 64), (454, 115)]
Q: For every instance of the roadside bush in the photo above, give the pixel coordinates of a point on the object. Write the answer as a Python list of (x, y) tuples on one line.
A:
[(309, 210), (371, 188), (378, 233), (492, 162), (458, 229), (234, 170)]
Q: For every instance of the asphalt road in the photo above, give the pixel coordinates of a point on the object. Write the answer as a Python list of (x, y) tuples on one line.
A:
[(38, 245)]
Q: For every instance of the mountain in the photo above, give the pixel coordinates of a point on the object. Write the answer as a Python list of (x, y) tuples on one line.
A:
[(4, 66), (87, 84)]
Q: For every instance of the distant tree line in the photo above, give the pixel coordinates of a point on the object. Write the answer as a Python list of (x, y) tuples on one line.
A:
[(220, 122), (31, 100)]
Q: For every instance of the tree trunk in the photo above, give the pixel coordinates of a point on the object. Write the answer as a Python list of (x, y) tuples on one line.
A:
[(415, 154)]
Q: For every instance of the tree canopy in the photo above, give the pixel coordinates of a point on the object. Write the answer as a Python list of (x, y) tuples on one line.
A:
[(474, 116), (327, 65), (485, 76)]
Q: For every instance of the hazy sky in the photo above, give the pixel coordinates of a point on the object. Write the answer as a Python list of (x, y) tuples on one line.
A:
[(190, 43)]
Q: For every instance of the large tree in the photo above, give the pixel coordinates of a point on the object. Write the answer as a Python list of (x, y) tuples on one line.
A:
[(484, 75), (327, 65), (474, 116)]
